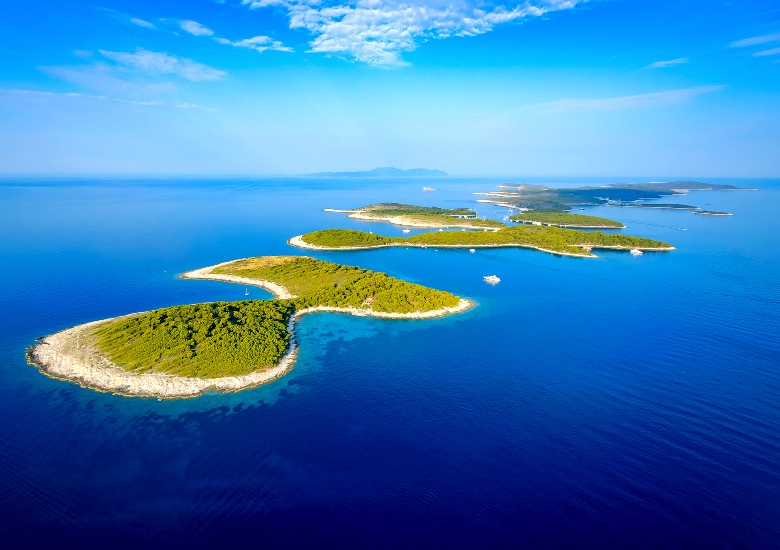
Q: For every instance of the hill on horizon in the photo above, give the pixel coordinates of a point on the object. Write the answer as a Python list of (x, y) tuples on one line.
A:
[(387, 172)]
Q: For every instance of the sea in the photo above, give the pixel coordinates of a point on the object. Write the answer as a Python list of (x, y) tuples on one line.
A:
[(617, 402)]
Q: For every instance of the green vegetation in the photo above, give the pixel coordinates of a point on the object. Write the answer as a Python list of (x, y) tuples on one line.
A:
[(398, 209), (319, 283), (229, 339), (548, 238), (201, 340), (348, 237), (429, 215), (562, 219)]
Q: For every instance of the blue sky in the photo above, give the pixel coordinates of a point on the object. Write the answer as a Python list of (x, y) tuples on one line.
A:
[(263, 87)]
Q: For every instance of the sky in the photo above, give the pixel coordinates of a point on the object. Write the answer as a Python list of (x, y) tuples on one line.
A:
[(684, 88)]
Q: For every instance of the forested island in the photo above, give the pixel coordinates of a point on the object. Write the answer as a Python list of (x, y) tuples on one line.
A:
[(562, 199), (562, 219), (554, 240), (182, 351), (408, 215)]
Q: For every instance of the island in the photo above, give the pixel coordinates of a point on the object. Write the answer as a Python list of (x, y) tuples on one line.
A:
[(656, 205), (711, 213), (409, 215), (555, 240), (562, 199), (183, 351), (562, 219), (387, 172)]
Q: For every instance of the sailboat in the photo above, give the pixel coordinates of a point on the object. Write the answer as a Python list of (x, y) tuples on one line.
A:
[(246, 292)]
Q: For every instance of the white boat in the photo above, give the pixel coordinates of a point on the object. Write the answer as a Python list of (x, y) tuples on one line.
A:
[(405, 230), (426, 188), (472, 250), (636, 252), (246, 293), (492, 279)]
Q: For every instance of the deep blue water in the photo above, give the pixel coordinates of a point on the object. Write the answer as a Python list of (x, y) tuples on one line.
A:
[(616, 402)]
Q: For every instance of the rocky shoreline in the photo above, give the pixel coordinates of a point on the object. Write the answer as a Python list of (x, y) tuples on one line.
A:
[(278, 291), (70, 354), (403, 221), (300, 243)]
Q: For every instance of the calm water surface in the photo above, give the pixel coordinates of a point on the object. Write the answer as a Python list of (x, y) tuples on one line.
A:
[(619, 401)]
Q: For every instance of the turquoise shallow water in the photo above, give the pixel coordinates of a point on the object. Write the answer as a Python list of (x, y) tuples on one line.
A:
[(618, 401)]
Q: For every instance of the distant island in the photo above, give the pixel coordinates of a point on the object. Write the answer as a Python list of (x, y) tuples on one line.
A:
[(561, 199), (388, 172), (566, 242), (409, 215), (711, 213), (183, 351)]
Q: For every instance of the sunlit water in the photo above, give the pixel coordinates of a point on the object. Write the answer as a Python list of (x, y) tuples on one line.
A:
[(621, 401)]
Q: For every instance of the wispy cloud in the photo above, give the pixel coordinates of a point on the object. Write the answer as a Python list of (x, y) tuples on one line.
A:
[(774, 37), (378, 32), (257, 43), (105, 78), (193, 27), (773, 51), (142, 23), (128, 19), (621, 103), (669, 63), (159, 63), (75, 95)]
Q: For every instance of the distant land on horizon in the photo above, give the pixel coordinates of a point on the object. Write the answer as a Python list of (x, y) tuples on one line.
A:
[(387, 172)]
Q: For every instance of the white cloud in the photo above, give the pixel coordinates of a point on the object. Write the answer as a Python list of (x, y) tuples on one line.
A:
[(379, 31), (156, 63), (257, 43), (142, 23), (669, 63), (775, 37), (621, 103), (773, 51), (193, 27)]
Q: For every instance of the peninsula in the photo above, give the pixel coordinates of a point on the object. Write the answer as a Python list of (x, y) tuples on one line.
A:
[(566, 242), (408, 215), (183, 351)]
